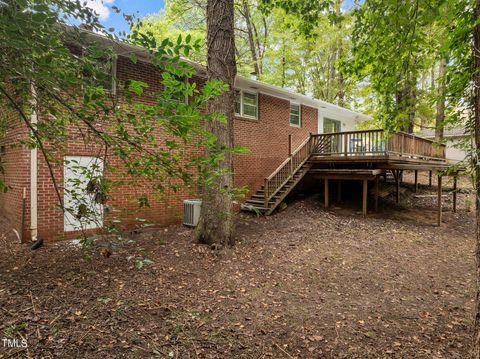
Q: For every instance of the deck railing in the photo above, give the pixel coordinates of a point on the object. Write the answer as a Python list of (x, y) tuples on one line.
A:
[(351, 144), (286, 170), (376, 142), (406, 144)]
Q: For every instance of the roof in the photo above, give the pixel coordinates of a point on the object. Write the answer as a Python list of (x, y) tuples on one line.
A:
[(126, 49), (447, 132)]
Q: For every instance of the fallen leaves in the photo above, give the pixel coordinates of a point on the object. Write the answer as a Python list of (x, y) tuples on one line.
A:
[(303, 283)]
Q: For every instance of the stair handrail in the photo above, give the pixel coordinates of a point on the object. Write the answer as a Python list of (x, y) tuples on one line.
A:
[(271, 188)]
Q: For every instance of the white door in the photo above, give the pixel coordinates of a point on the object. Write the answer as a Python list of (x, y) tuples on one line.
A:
[(82, 211)]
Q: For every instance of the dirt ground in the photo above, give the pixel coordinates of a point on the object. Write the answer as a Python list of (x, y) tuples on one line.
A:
[(303, 283)]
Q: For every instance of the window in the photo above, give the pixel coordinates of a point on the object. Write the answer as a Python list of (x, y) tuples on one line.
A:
[(238, 102), (330, 126), (246, 104), (249, 104), (102, 73), (181, 91), (295, 115)]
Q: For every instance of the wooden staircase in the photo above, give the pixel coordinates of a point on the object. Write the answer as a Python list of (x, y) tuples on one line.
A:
[(282, 181), (357, 146)]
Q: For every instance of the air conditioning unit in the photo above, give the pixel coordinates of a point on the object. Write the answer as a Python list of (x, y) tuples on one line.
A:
[(191, 212)]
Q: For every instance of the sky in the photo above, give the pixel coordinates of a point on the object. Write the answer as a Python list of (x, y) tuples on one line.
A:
[(110, 18)]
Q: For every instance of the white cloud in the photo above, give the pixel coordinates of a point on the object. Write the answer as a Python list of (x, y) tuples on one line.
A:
[(100, 7)]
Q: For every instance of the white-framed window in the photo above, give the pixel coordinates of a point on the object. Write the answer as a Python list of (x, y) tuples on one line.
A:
[(104, 75), (182, 94), (295, 115), (246, 104)]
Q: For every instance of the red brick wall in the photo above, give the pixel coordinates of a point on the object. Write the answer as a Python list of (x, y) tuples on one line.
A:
[(266, 137), (16, 164), (164, 209)]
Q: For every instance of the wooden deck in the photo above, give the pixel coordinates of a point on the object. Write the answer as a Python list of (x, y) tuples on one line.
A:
[(348, 155), (375, 146)]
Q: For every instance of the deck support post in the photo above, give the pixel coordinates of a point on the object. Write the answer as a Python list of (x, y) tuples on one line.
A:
[(454, 194), (439, 201), (364, 197), (326, 193), (429, 178), (289, 145), (265, 192), (376, 193), (290, 153), (396, 176), (416, 181), (339, 191)]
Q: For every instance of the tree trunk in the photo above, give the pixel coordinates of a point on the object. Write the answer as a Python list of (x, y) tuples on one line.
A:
[(440, 115), (340, 78), (284, 64), (216, 225), (251, 40), (412, 109), (476, 166), (476, 81), (406, 99)]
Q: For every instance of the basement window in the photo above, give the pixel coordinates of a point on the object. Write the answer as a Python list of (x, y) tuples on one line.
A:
[(246, 104), (295, 115)]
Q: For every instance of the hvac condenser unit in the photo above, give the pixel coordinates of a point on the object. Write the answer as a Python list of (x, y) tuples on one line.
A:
[(191, 212)]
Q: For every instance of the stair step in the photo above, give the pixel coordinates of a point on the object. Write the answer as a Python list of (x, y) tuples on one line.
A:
[(256, 202), (262, 192), (258, 196), (250, 208)]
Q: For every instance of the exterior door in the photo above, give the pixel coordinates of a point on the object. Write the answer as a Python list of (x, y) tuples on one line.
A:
[(81, 176), (332, 126)]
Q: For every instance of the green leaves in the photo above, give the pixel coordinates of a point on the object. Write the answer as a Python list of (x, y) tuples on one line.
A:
[(148, 130), (137, 87)]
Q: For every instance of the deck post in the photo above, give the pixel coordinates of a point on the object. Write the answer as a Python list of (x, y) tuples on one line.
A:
[(396, 176), (416, 181), (339, 191), (429, 178), (345, 144), (364, 197), (376, 193), (439, 201), (289, 145), (265, 192), (290, 153), (455, 193), (326, 193)]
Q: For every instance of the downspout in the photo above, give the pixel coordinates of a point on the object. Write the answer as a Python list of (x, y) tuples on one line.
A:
[(33, 171)]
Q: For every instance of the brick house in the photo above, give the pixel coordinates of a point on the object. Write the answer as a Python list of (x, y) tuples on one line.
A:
[(266, 116)]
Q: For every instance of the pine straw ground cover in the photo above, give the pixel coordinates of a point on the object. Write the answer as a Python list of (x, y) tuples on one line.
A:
[(304, 283)]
